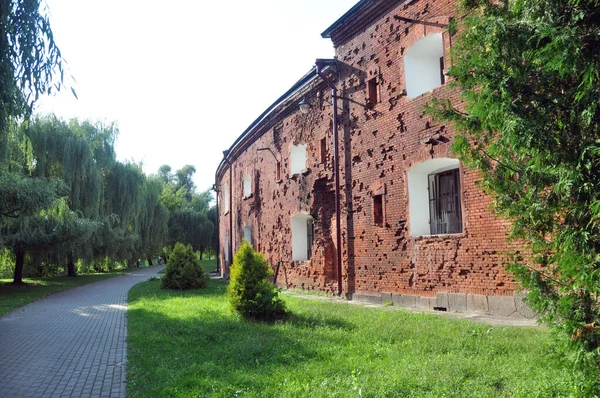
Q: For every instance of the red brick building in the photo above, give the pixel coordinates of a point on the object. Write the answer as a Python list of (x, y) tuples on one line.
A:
[(413, 226)]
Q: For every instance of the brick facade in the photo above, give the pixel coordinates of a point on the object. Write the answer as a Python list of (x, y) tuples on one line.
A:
[(378, 144)]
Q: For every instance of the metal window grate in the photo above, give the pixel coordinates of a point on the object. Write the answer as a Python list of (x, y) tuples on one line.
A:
[(444, 203)]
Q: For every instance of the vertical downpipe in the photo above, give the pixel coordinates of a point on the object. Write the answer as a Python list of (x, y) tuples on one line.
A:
[(218, 218), (230, 248), (336, 176)]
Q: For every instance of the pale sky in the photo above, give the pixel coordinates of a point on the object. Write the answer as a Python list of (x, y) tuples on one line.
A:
[(184, 78)]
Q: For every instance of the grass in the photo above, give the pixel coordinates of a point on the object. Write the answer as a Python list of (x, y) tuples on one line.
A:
[(187, 344), (15, 296)]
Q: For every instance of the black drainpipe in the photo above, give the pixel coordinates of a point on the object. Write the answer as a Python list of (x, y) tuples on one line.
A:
[(320, 63), (218, 216), (230, 246)]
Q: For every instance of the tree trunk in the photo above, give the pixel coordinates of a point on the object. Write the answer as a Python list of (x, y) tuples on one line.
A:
[(39, 272), (20, 261), (150, 262), (200, 254), (71, 266)]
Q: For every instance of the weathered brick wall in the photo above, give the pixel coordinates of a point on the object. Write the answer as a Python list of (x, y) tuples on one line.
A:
[(381, 144), (378, 145), (273, 203)]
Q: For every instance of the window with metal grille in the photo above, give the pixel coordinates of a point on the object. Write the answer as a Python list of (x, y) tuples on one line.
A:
[(445, 213)]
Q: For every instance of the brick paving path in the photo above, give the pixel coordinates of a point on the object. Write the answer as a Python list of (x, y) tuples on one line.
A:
[(70, 344)]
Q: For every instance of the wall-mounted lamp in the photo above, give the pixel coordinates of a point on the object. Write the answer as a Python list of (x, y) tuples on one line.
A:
[(304, 106)]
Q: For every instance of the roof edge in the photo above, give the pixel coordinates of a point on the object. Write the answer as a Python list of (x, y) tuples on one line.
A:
[(350, 23), (303, 82)]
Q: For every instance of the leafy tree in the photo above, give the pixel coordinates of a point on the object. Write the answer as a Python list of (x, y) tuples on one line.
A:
[(164, 172), (172, 198), (251, 294), (529, 73), (183, 270), (188, 221), (214, 241), (200, 202), (183, 179)]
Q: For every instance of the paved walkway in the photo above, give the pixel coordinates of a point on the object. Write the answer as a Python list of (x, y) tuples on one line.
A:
[(70, 344)]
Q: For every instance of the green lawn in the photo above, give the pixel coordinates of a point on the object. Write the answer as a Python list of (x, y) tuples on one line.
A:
[(187, 344), (12, 297)]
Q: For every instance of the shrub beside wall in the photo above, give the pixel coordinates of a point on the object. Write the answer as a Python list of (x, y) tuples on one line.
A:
[(183, 270), (251, 293)]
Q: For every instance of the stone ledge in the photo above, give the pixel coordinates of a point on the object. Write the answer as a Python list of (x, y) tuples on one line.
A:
[(503, 306), (367, 298)]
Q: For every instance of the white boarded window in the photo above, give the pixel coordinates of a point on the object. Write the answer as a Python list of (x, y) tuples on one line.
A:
[(247, 185), (227, 249), (302, 237), (225, 198), (248, 234), (424, 64), (298, 159), (434, 198)]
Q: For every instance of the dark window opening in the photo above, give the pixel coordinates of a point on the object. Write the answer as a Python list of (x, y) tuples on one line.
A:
[(378, 209), (323, 150), (444, 203), (372, 92), (278, 171), (310, 236), (442, 76)]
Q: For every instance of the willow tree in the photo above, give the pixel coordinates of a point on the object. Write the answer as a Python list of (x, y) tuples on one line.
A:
[(61, 150), (30, 65), (55, 228), (30, 61), (528, 72), (135, 217), (154, 219), (190, 227)]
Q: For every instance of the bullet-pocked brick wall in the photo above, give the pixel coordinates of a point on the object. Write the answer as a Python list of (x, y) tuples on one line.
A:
[(378, 145)]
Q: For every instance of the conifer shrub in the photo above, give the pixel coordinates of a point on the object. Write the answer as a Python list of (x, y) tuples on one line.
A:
[(183, 270), (251, 293)]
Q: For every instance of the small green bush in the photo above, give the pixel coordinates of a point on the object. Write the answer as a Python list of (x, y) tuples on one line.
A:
[(251, 294), (183, 270)]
